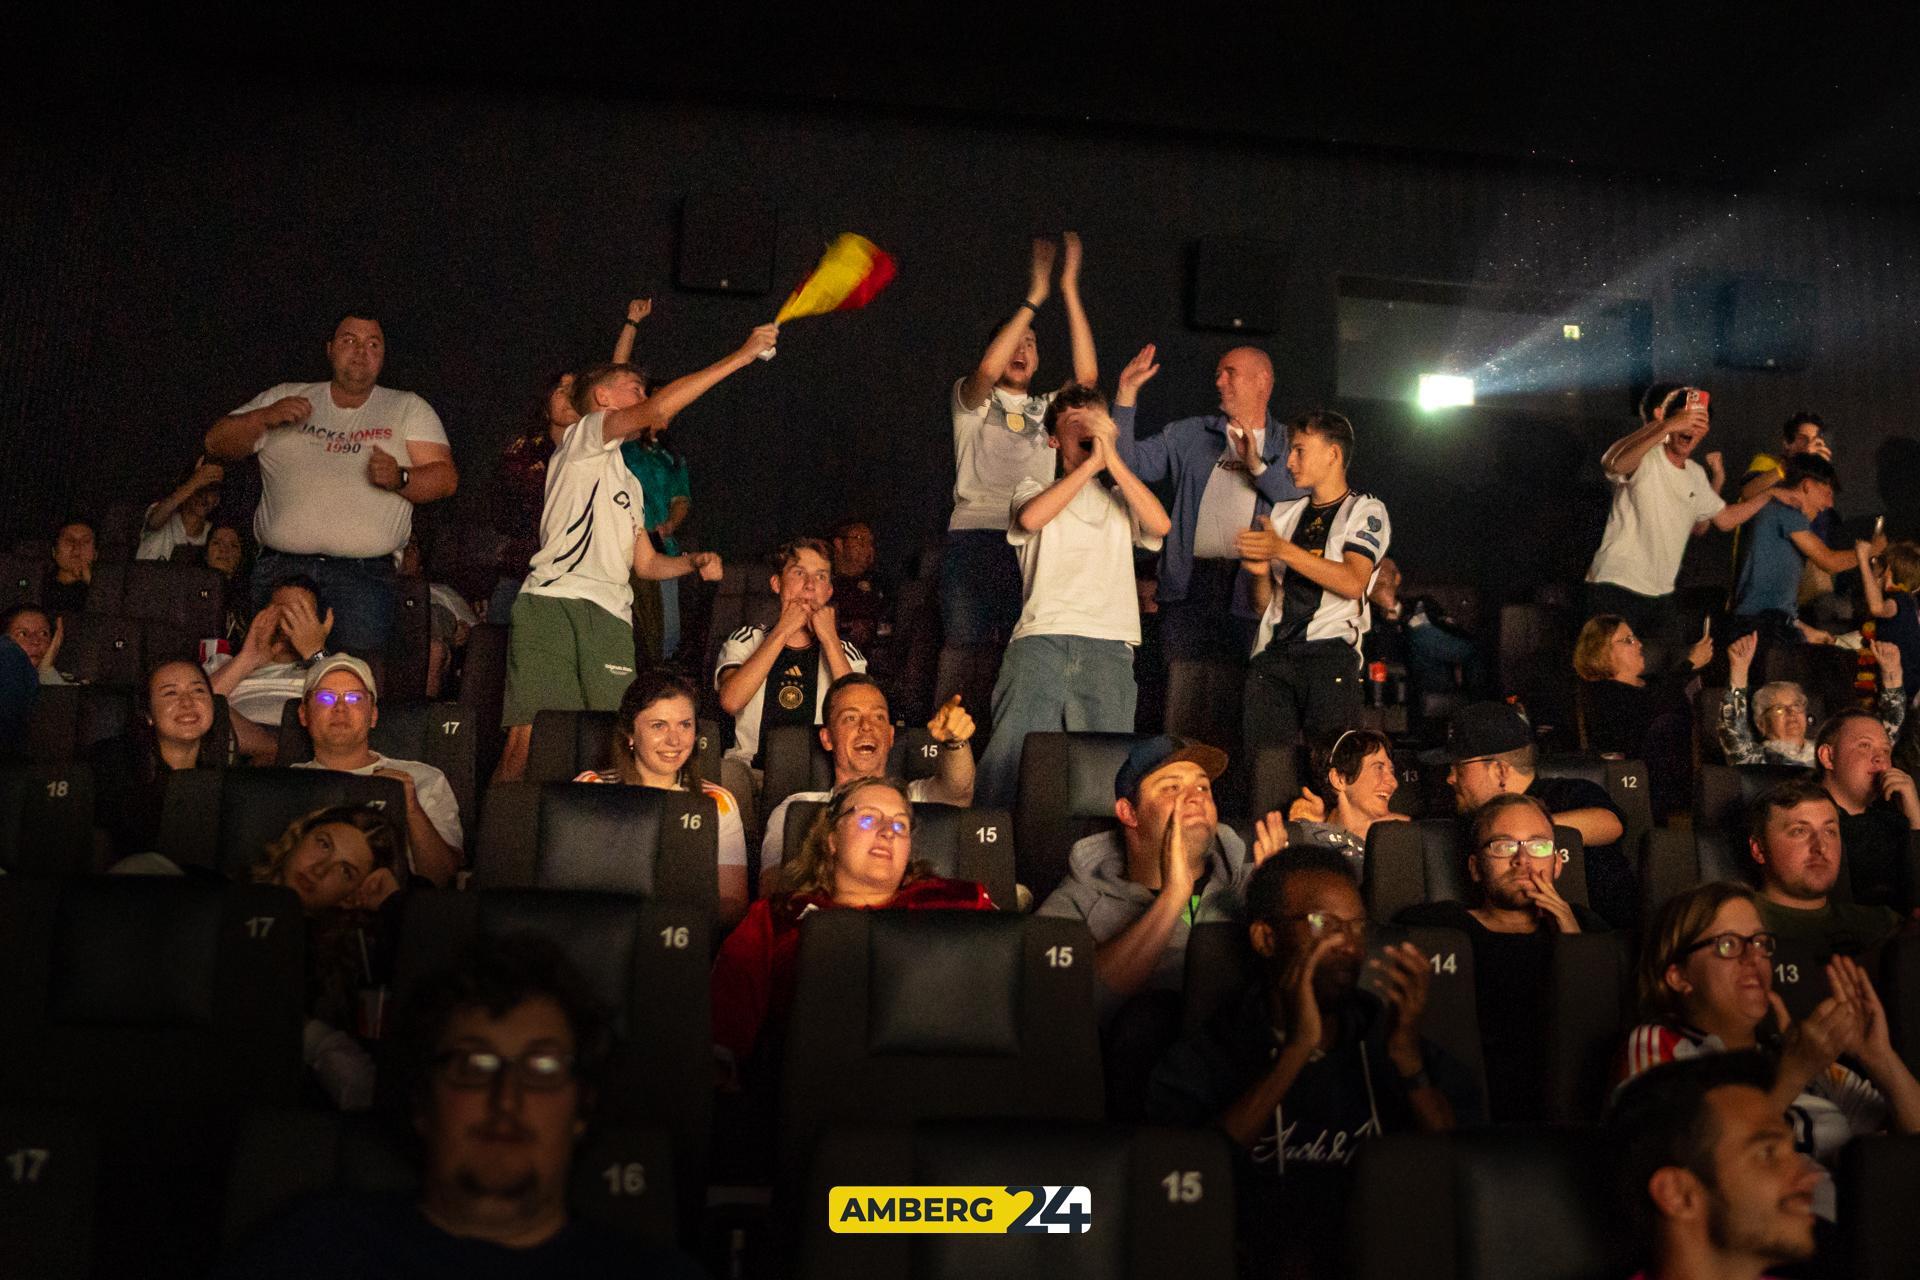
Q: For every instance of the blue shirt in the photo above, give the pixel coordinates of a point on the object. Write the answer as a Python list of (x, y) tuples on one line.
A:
[(1187, 451), (663, 477), (1770, 578)]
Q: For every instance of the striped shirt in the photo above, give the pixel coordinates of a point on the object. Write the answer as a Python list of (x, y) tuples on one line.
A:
[(589, 522)]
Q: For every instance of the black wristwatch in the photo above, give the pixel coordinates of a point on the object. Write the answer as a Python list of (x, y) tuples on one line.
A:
[(406, 478)]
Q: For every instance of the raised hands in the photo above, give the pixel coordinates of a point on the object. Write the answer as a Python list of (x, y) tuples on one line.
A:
[(1070, 262), (1269, 836), (1892, 674), (305, 630), (1040, 270), (639, 309), (1138, 373), (1702, 651), (1740, 659), (760, 341), (1405, 977)]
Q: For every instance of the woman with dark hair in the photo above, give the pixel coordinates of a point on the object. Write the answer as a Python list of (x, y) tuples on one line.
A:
[(130, 770), (858, 854), (1626, 713), (1705, 985), (226, 554), (656, 744), (1350, 786)]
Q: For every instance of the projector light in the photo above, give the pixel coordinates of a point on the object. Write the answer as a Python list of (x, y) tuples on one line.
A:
[(1571, 332), (1444, 391)]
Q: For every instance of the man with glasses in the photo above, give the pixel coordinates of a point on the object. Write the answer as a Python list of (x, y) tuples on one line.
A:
[(1794, 834), (1510, 925), (1302, 1068), (503, 1054), (339, 707)]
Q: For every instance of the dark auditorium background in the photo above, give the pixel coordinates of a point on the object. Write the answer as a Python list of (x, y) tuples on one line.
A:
[(189, 199)]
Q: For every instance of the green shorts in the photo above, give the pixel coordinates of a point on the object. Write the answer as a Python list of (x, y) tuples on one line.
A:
[(565, 655)]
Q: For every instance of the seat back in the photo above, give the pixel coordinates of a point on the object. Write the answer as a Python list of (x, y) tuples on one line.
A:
[(1161, 1201), (961, 844), (586, 835), (1534, 647), (1675, 860), (46, 819), (1877, 1178), (405, 676), (566, 743), (186, 597), (1723, 793), (20, 574), (49, 1174), (1426, 861), (908, 1015), (795, 761), (102, 648), (67, 719), (1065, 793), (1899, 988), (1626, 783), (1276, 780), (222, 819), (1589, 1012), (483, 686), (442, 734)]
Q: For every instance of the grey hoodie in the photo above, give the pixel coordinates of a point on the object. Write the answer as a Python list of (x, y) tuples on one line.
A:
[(1098, 892)]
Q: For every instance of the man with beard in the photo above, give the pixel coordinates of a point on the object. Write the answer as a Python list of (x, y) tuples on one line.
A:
[(1304, 1068), (857, 731), (1794, 834), (1510, 926), (504, 1052), (1708, 1172)]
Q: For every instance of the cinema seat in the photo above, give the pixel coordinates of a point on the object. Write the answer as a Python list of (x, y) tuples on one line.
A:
[(46, 820), (1878, 1179), (567, 743), (222, 819), (1426, 861), (49, 1175), (442, 734), (1065, 793)]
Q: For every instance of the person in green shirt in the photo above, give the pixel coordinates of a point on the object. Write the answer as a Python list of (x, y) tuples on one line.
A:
[(665, 504), (1794, 834)]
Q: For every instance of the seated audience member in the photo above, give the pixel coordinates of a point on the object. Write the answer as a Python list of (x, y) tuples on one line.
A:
[(1490, 751), (1350, 786), (1705, 986), (1780, 709), (654, 745), (571, 646), (1879, 812), (226, 554), (780, 676), (64, 588), (1421, 636), (130, 769), (339, 705), (866, 598), (1794, 834), (857, 731), (503, 1055), (1623, 712), (1168, 866), (858, 854), (1304, 1067), (1889, 583), (1069, 665), (19, 690), (37, 634), (184, 517), (284, 639), (1778, 544), (346, 856), (1710, 1174), (1510, 926)]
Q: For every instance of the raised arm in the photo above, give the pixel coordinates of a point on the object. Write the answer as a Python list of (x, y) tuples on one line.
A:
[(952, 728), (1877, 603), (1820, 554), (1127, 961), (637, 310), (658, 409), (1347, 576), (1034, 514), (206, 473), (237, 435), (1737, 514), (1086, 365), (1146, 509), (1623, 456), (1149, 459), (976, 386)]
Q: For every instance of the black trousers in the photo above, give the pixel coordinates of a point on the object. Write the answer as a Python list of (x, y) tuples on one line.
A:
[(1309, 686)]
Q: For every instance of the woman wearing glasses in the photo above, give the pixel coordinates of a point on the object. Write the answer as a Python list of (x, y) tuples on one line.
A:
[(1706, 986), (1780, 709), (858, 854)]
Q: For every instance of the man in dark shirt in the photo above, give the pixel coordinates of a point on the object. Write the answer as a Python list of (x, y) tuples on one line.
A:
[(1490, 751), (1304, 1068), (1794, 834), (503, 1052), (1879, 810), (1517, 911), (862, 596)]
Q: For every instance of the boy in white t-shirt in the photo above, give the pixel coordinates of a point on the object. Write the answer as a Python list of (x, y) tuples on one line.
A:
[(184, 517), (1070, 664), (571, 647)]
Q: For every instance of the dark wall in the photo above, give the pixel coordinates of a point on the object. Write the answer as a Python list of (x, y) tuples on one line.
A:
[(189, 254)]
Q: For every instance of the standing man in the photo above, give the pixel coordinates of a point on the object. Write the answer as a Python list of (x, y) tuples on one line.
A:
[(1311, 565), (1660, 498), (997, 443), (342, 465), (1226, 474)]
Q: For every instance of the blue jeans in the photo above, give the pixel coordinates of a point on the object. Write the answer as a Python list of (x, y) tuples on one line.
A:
[(980, 587), (1048, 684), (361, 593)]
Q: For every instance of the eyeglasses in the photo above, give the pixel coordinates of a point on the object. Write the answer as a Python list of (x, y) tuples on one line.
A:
[(867, 820), (1321, 923), (1785, 708), (352, 697), (1731, 946), (541, 1070), (1503, 849)]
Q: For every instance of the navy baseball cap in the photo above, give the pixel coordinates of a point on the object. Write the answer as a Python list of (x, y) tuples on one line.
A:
[(1482, 729), (1158, 752)]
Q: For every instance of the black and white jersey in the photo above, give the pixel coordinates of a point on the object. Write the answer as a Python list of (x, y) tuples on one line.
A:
[(1300, 608)]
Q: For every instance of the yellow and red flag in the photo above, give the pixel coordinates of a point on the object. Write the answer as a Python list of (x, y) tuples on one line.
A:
[(851, 274)]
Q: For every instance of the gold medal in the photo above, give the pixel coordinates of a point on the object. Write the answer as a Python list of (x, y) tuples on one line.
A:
[(1017, 422)]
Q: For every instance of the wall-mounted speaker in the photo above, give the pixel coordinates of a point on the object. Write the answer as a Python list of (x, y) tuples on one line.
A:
[(726, 243), (1236, 284)]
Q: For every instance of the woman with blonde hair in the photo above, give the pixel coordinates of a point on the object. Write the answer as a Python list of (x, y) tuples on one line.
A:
[(1627, 713), (346, 856)]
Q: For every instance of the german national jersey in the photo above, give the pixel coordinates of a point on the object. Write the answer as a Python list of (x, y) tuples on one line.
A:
[(1301, 609)]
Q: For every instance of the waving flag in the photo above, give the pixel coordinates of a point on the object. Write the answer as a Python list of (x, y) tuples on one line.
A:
[(851, 274)]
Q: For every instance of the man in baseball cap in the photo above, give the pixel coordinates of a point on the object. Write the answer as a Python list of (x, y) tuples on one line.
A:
[(1490, 751), (339, 706)]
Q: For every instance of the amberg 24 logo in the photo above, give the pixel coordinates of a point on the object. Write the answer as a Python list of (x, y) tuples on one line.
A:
[(1020, 1210)]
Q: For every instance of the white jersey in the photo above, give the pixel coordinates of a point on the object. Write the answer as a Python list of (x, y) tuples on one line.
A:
[(1302, 610), (315, 498), (788, 680), (995, 447), (589, 522)]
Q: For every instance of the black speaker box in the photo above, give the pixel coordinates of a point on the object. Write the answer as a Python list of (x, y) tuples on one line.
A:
[(1764, 324), (726, 243), (1236, 284)]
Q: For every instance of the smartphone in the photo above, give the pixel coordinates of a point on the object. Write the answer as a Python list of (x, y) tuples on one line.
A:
[(1879, 526)]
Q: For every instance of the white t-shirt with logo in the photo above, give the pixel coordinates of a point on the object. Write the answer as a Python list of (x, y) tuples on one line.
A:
[(315, 498), (158, 544), (1654, 511), (430, 785), (262, 697), (995, 447), (1226, 504), (1077, 570), (589, 522)]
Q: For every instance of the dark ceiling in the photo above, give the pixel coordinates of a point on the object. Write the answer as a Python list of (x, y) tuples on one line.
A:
[(1756, 95)]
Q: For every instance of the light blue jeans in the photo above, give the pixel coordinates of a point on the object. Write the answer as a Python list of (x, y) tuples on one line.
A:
[(1050, 684)]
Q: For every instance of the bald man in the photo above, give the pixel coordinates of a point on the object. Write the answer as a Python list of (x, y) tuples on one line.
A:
[(1227, 475)]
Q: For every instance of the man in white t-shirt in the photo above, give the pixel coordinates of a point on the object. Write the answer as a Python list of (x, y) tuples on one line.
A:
[(1661, 497), (997, 444), (184, 517), (342, 465), (1070, 664), (857, 731), (571, 646), (1312, 566), (339, 705)]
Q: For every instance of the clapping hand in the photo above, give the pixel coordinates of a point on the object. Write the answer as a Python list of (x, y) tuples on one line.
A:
[(1888, 656), (1702, 651), (1040, 270), (1269, 836), (639, 309), (1137, 374), (1070, 261)]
